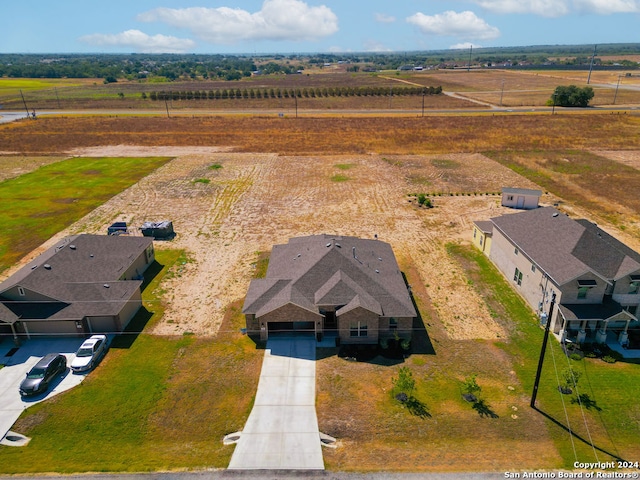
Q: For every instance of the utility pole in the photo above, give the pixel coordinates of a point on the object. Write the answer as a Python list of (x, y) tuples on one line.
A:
[(25, 104), (295, 97), (423, 101), (616, 94), (591, 65), (469, 63), (501, 92), (542, 352)]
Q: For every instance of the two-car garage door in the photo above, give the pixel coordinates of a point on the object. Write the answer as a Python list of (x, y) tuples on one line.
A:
[(290, 327)]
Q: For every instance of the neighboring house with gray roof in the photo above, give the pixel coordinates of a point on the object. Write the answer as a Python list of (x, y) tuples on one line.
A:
[(85, 284), (521, 198), (326, 283), (595, 277)]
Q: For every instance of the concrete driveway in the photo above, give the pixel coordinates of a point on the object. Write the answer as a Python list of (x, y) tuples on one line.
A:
[(19, 362), (282, 429)]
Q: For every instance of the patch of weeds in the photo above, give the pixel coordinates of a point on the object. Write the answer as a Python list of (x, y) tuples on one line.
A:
[(202, 180), (444, 163), (344, 166), (215, 166), (340, 178)]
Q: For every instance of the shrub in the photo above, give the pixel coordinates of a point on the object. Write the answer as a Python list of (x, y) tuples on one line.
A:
[(609, 359), (404, 382), (575, 356)]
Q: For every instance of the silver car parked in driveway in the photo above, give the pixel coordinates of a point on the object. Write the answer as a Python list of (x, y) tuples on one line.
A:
[(90, 353)]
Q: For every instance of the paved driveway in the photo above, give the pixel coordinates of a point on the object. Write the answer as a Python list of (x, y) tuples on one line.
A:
[(19, 362), (282, 429)]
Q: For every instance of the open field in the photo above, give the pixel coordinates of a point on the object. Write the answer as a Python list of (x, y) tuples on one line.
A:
[(230, 206), (329, 135), (497, 87), (39, 204)]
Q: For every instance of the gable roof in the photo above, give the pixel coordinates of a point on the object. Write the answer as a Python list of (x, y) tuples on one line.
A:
[(566, 249), (78, 277), (328, 270)]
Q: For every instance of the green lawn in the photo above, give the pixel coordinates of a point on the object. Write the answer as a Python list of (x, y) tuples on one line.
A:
[(609, 416), (154, 403), (37, 205)]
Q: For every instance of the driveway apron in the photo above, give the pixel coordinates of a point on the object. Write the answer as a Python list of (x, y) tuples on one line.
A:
[(282, 429)]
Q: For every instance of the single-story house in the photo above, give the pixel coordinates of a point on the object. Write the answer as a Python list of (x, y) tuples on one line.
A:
[(328, 283), (85, 284), (595, 277), (520, 198)]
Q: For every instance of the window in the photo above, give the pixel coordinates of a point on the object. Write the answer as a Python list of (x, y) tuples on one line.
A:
[(510, 198), (633, 287), (21, 291), (582, 292), (358, 330), (517, 277), (474, 233), (515, 251), (481, 241), (533, 268), (393, 323)]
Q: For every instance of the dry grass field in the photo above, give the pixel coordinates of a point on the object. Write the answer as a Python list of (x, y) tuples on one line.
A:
[(328, 135)]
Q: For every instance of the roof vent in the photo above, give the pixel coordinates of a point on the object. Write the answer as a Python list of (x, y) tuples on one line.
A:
[(555, 214), (106, 285), (338, 245), (91, 255), (328, 244), (33, 267), (299, 255), (380, 258), (377, 271), (72, 247), (47, 266)]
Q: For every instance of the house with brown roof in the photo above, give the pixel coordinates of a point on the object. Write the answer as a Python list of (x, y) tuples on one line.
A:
[(327, 283), (85, 284), (595, 277)]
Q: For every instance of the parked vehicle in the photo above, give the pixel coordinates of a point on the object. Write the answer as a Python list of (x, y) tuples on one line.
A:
[(42, 373), (89, 353)]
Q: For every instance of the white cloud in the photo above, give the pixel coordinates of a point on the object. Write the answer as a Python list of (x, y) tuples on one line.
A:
[(464, 25), (140, 42), (292, 20), (558, 8), (464, 46), (383, 18)]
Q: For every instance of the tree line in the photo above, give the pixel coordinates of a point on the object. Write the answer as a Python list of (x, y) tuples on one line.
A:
[(307, 92)]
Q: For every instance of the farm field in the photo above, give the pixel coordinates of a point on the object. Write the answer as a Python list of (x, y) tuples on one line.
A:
[(507, 88), (237, 186), (328, 135)]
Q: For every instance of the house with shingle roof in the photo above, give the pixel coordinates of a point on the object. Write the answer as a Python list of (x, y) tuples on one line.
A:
[(595, 277), (322, 283), (85, 284)]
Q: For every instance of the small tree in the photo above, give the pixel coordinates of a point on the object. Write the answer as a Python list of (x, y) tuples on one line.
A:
[(403, 384), (570, 378), (470, 387), (571, 96)]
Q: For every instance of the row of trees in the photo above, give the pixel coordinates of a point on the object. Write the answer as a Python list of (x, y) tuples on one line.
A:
[(291, 93)]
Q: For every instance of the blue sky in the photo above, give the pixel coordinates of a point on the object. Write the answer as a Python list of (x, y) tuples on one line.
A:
[(301, 26)]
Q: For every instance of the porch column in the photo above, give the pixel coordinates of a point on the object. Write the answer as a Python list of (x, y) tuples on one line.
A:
[(601, 336), (582, 333), (623, 338), (264, 334)]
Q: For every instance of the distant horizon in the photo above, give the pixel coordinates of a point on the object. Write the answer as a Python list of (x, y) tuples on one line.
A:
[(590, 46), (268, 27)]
